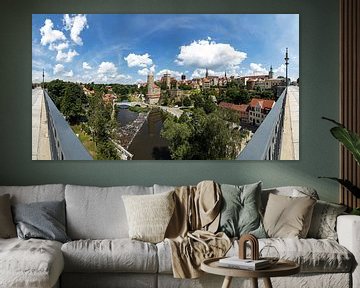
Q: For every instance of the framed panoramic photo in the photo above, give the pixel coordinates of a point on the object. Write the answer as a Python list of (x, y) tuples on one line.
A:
[(165, 87)]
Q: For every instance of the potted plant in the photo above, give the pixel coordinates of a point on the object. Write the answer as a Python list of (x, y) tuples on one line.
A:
[(351, 141)]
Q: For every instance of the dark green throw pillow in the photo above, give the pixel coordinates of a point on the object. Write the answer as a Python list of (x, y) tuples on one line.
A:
[(240, 213), (43, 220)]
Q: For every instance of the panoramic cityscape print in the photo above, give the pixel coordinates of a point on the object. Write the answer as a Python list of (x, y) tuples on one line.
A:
[(165, 87)]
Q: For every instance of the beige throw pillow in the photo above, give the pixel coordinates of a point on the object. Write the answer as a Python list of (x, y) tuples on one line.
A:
[(149, 215), (288, 217), (7, 226)]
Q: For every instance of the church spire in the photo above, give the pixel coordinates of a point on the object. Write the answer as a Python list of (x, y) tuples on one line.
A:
[(206, 73), (271, 73)]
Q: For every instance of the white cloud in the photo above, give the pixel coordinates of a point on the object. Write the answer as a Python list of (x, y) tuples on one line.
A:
[(146, 71), (76, 25), (280, 70), (49, 35), (107, 68), (134, 60), (257, 69), (69, 74), (201, 72), (173, 73), (60, 46), (207, 53), (86, 66), (66, 56), (58, 68)]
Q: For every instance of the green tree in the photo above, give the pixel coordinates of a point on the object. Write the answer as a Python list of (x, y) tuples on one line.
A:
[(187, 102), (106, 151), (56, 91), (72, 103), (201, 136)]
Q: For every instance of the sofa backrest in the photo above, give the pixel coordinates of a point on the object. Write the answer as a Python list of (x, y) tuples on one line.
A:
[(98, 212), (35, 193)]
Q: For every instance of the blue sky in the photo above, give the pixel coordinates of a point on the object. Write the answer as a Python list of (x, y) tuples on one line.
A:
[(124, 48)]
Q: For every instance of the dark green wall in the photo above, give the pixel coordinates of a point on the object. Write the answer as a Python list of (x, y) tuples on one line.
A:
[(319, 73)]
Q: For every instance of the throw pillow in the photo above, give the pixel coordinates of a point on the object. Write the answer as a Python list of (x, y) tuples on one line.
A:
[(44, 220), (240, 213), (323, 222), (149, 215), (288, 217), (7, 227)]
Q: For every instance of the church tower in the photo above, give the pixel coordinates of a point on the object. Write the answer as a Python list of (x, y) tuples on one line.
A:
[(150, 83), (206, 73), (271, 73)]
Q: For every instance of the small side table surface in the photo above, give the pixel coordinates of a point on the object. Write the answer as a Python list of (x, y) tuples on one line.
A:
[(281, 268)]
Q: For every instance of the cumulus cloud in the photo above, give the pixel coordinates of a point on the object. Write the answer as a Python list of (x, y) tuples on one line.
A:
[(86, 66), (50, 35), (207, 53), (58, 68), (76, 24), (107, 68), (146, 71), (60, 46), (69, 74), (280, 70), (173, 73), (66, 56), (134, 60), (201, 72), (257, 69)]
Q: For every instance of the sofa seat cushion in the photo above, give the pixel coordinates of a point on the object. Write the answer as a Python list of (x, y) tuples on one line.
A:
[(313, 255), (115, 255), (30, 263)]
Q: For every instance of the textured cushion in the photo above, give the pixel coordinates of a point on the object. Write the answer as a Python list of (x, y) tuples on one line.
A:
[(291, 191), (323, 222), (7, 227), (313, 255), (240, 210), (149, 215), (117, 255), (35, 193), (30, 263), (98, 213), (44, 220), (287, 216)]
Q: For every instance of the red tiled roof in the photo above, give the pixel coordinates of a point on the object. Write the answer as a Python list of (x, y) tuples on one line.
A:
[(264, 103), (239, 108)]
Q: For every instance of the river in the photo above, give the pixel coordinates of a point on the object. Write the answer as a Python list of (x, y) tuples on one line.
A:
[(147, 144)]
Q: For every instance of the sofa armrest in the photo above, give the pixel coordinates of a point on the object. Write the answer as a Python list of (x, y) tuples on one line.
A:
[(348, 230)]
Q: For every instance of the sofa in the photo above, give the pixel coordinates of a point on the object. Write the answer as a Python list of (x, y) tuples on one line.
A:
[(100, 253)]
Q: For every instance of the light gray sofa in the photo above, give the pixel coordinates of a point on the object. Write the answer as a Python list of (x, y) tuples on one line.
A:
[(101, 254)]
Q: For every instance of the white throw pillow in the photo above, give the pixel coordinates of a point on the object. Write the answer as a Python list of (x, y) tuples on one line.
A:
[(149, 215)]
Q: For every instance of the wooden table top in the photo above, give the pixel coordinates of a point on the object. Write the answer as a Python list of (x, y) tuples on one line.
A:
[(281, 268)]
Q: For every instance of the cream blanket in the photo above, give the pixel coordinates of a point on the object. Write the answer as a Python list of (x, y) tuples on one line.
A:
[(191, 231)]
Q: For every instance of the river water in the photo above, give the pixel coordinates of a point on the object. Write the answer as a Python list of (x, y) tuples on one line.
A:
[(147, 144)]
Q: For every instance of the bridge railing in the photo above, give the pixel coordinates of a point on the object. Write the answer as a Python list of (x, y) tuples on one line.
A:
[(63, 142), (266, 142)]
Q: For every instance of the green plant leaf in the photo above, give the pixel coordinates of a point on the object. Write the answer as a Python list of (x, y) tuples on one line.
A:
[(348, 138), (347, 184)]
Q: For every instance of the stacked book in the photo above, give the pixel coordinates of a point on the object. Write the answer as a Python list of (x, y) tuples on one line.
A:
[(248, 264)]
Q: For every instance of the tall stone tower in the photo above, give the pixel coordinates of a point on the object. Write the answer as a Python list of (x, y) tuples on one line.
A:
[(271, 73), (150, 84), (167, 77)]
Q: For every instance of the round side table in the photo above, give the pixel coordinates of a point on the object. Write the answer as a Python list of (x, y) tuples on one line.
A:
[(281, 268)]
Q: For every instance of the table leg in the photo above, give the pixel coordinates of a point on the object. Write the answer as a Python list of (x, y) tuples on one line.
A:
[(227, 282), (267, 283), (254, 282)]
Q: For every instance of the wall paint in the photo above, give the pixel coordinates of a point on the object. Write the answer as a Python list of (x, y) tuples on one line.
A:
[(319, 73)]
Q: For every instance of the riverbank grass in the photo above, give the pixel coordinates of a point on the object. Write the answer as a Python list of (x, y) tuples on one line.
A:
[(85, 140)]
